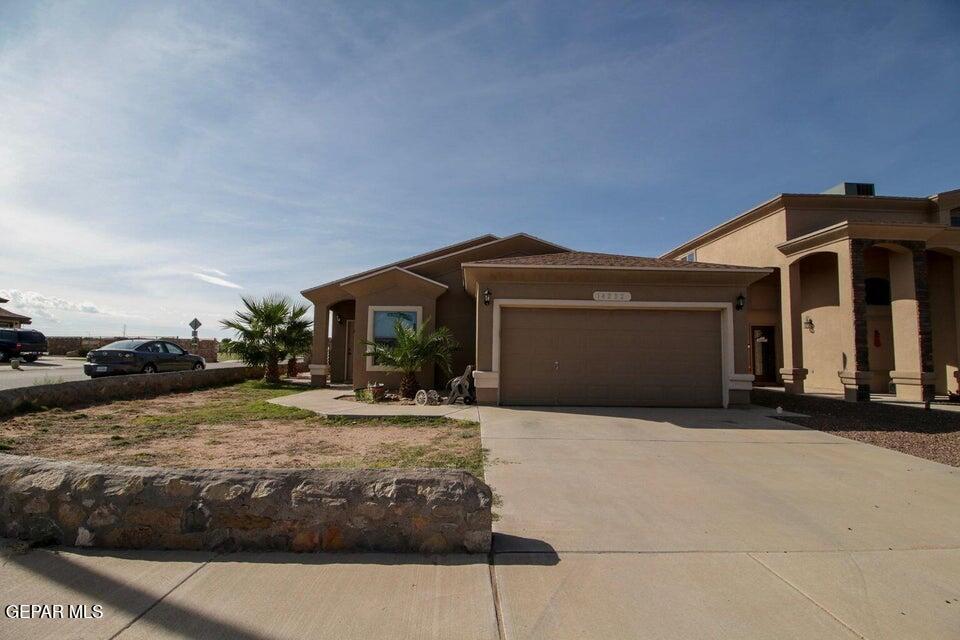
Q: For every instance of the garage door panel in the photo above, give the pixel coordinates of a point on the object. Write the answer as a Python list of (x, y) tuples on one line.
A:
[(610, 357)]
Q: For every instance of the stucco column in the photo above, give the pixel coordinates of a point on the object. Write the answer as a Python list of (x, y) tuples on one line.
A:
[(956, 315), (319, 364), (855, 375), (791, 324), (912, 338)]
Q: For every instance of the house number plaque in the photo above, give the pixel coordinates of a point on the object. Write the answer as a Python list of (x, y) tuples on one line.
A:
[(611, 296)]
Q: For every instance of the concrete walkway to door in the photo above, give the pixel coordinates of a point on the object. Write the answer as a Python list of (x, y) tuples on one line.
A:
[(681, 523)]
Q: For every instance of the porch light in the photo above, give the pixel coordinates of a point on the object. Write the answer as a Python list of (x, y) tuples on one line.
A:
[(339, 319), (808, 324), (487, 296), (741, 301)]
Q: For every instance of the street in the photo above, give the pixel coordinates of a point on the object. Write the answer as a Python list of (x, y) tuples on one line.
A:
[(54, 369)]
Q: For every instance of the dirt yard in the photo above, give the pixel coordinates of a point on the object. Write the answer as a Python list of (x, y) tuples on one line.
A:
[(235, 426), (934, 435)]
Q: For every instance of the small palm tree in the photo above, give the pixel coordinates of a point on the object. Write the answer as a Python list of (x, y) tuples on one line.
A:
[(411, 350), (265, 329), (297, 341)]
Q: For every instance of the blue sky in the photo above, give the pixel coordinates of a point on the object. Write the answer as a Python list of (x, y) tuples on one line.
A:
[(157, 161)]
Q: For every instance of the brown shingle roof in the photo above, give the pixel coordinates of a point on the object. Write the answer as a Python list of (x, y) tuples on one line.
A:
[(606, 260), (10, 315)]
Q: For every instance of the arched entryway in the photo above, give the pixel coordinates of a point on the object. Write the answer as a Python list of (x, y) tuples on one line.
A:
[(943, 268)]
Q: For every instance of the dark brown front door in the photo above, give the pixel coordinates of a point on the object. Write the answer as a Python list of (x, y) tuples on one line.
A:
[(764, 355)]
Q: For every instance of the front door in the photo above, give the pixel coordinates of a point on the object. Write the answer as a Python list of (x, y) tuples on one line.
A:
[(764, 355), (348, 353)]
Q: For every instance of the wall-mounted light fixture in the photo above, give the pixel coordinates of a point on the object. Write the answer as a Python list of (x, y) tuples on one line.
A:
[(339, 319), (741, 301), (808, 324), (487, 296)]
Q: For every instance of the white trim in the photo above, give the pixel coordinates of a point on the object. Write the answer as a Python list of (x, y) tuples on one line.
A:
[(486, 379), (731, 269), (728, 376), (741, 382), (370, 311), (388, 269)]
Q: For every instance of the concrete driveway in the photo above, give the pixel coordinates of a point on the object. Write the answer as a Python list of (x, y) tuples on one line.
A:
[(673, 523)]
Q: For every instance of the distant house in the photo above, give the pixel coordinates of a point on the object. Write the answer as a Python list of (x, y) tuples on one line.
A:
[(864, 296), (11, 320)]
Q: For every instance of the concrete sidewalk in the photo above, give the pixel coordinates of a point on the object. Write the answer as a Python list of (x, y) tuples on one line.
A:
[(158, 594), (325, 402)]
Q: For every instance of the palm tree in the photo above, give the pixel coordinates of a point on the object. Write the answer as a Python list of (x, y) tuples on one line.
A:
[(297, 341), (411, 350), (266, 329)]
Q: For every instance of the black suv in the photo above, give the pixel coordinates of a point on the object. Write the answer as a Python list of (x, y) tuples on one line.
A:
[(18, 343)]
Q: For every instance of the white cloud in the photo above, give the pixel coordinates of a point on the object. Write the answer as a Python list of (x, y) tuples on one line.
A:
[(220, 282), (44, 307)]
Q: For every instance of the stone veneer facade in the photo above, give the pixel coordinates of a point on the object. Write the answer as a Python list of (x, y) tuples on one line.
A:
[(419, 510)]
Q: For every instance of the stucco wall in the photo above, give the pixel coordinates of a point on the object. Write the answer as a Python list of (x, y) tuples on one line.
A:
[(423, 510), (664, 292), (394, 296), (751, 245), (820, 301)]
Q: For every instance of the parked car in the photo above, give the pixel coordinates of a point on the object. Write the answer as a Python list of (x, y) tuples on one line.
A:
[(20, 343), (140, 356)]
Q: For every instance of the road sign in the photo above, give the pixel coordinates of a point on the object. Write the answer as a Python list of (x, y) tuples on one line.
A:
[(194, 324)]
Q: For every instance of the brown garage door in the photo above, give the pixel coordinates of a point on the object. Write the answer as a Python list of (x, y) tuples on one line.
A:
[(610, 357)]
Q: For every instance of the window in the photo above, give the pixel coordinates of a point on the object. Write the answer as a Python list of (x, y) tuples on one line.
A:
[(955, 217), (174, 349), (151, 347), (691, 257), (877, 291), (381, 327)]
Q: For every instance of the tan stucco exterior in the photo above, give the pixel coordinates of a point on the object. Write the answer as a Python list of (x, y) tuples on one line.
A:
[(703, 368), (825, 247), (431, 282)]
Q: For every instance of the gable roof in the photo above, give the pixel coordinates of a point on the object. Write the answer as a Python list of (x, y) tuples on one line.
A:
[(10, 315), (588, 260), (437, 254)]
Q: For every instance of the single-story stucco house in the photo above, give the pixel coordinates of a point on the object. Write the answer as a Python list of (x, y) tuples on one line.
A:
[(863, 294), (545, 325), (11, 320)]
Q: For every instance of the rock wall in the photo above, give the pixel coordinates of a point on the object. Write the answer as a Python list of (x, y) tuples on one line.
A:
[(80, 392), (420, 510), (62, 345)]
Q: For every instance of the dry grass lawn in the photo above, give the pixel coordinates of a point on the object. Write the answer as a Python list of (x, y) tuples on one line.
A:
[(235, 426)]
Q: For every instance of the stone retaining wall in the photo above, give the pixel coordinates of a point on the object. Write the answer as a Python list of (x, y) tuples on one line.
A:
[(420, 510), (79, 392), (63, 345)]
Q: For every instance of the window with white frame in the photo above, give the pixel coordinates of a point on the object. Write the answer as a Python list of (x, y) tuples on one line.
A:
[(691, 257), (382, 327)]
